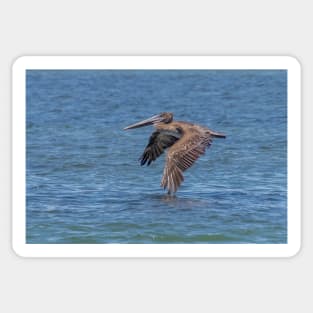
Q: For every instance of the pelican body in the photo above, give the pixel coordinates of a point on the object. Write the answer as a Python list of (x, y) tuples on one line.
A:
[(186, 143)]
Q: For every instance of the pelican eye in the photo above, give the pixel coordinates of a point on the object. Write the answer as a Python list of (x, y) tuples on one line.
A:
[(179, 130)]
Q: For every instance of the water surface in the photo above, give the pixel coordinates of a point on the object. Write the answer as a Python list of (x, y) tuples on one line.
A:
[(84, 181)]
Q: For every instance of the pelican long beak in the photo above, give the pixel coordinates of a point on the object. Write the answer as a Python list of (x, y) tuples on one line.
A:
[(149, 121)]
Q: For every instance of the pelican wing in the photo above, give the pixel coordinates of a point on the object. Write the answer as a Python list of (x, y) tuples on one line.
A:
[(181, 156), (158, 142)]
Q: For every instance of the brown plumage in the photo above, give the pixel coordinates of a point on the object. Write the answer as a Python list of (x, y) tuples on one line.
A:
[(186, 143)]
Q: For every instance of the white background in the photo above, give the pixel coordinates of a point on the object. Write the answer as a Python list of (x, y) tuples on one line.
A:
[(163, 28)]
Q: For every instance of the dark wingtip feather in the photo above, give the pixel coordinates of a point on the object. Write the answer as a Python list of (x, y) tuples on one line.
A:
[(142, 160)]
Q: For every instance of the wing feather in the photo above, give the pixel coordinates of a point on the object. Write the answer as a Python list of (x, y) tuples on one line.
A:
[(158, 142), (181, 156)]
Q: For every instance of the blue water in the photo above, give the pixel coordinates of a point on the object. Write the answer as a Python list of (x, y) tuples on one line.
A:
[(84, 180)]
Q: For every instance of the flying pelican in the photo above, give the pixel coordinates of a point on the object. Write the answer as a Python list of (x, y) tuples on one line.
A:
[(186, 142)]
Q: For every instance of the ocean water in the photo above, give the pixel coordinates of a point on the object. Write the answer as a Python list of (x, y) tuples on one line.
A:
[(84, 180)]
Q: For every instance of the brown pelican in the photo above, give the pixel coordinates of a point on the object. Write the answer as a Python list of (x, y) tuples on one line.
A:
[(186, 141)]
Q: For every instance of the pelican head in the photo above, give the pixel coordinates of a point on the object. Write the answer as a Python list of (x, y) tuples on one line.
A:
[(164, 117)]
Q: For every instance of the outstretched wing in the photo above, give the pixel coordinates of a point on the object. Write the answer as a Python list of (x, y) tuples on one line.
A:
[(158, 142), (181, 156)]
